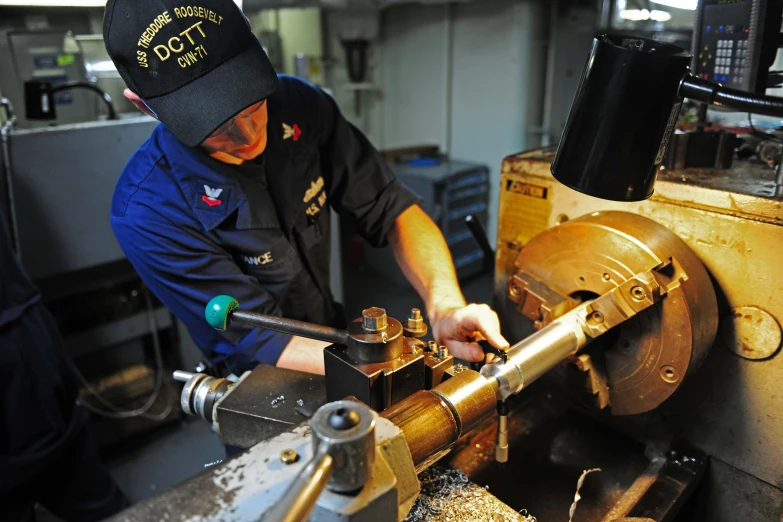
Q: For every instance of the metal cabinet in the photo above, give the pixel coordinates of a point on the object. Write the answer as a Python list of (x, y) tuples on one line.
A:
[(450, 190)]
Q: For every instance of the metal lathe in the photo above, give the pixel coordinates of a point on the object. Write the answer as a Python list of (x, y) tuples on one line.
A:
[(647, 340)]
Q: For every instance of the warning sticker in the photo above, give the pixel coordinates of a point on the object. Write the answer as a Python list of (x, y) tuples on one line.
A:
[(526, 189), (524, 213)]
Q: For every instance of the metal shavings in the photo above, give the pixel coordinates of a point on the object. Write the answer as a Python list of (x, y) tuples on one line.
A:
[(300, 402), (276, 402), (448, 495), (577, 496)]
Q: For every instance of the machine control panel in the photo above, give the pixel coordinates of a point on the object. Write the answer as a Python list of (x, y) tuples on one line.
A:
[(735, 41)]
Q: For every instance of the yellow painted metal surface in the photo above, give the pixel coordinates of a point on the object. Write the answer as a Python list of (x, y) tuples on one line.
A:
[(733, 407)]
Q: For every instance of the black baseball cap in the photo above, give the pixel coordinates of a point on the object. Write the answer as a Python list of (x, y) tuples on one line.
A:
[(195, 63)]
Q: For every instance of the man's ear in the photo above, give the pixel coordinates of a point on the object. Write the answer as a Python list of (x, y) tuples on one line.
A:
[(138, 102)]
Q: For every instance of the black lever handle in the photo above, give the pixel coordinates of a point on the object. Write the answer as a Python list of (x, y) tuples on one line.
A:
[(488, 348), (480, 235)]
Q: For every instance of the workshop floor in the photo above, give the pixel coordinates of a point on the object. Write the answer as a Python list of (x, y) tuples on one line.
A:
[(171, 455)]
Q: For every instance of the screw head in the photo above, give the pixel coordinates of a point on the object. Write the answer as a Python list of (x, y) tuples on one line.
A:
[(638, 293), (670, 374), (343, 419), (374, 319), (288, 456)]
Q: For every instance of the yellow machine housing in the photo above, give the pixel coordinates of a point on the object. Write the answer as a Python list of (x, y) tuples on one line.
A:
[(732, 407)]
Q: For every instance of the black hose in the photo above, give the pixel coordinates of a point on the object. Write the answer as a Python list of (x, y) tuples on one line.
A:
[(715, 94), (92, 87)]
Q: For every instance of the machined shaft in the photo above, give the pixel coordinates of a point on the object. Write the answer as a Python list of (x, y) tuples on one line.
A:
[(535, 355)]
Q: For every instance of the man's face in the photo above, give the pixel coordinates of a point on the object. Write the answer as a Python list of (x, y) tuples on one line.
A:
[(242, 137)]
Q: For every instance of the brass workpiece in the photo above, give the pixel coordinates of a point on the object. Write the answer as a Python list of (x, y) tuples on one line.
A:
[(433, 421)]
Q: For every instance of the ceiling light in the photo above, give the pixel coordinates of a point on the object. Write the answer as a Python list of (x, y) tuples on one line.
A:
[(678, 4), (660, 16), (635, 15)]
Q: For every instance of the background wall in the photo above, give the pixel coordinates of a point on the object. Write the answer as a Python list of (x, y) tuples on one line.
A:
[(467, 77)]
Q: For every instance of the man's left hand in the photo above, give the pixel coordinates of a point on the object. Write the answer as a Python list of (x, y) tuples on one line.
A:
[(457, 328)]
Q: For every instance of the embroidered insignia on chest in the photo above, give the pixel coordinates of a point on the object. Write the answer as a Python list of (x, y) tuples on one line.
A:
[(212, 196), (315, 188), (291, 132)]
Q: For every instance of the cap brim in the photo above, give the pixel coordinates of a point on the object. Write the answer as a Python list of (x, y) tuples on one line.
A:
[(194, 111)]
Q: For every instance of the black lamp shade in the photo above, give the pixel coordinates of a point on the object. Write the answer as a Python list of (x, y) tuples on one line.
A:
[(622, 118)]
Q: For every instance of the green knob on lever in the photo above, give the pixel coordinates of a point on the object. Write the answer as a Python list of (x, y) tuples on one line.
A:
[(218, 311)]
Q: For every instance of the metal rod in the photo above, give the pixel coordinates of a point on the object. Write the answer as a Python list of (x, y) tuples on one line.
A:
[(182, 376), (535, 355), (291, 326), (5, 132), (299, 499)]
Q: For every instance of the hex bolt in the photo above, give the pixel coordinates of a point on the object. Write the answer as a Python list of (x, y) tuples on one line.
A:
[(343, 419), (374, 319), (288, 456), (638, 293), (414, 319), (607, 277), (597, 317), (515, 290)]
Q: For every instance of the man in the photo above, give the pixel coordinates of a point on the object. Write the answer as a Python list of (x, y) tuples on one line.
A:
[(231, 194), (46, 453)]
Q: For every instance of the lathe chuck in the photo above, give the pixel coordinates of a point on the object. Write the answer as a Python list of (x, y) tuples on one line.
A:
[(640, 363)]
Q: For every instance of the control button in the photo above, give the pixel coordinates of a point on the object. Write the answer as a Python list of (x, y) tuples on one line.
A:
[(724, 78), (701, 55), (709, 56), (704, 64), (709, 28), (716, 78), (720, 29), (706, 47), (732, 44)]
